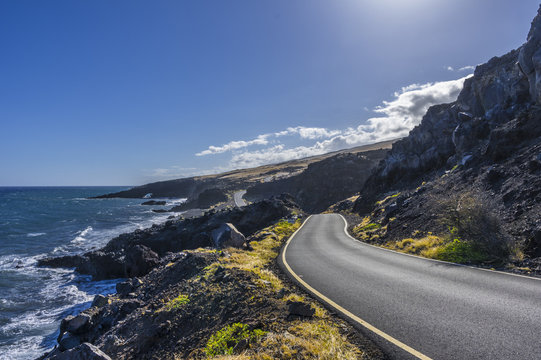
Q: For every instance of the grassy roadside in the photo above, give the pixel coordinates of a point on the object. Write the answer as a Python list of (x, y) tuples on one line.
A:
[(468, 230), (317, 337)]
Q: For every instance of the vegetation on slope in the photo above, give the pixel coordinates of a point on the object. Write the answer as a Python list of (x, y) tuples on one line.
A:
[(467, 229), (231, 304)]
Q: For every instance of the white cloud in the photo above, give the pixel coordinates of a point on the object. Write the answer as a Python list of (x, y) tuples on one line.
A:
[(398, 117), (310, 133), (467, 68), (234, 145), (464, 68), (394, 118)]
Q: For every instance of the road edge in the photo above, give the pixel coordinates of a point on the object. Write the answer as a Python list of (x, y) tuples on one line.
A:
[(435, 260), (347, 314)]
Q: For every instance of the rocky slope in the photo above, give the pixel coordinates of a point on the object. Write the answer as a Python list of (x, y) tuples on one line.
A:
[(136, 253), (480, 153), (207, 303), (322, 183)]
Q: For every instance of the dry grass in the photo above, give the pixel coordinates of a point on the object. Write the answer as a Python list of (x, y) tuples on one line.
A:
[(387, 198), (307, 340), (293, 297), (317, 338), (426, 246), (264, 252)]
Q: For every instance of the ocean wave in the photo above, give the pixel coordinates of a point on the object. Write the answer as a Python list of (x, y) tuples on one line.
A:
[(36, 234), (32, 309), (65, 293), (24, 348), (81, 236), (176, 201), (14, 262)]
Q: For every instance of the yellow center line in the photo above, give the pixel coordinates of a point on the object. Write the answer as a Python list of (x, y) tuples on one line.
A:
[(347, 313)]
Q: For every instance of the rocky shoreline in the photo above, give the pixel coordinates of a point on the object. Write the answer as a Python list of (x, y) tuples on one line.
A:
[(189, 279)]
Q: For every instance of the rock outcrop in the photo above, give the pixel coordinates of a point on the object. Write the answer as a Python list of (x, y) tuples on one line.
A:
[(85, 351), (324, 182), (204, 200), (487, 142), (227, 235), (135, 254)]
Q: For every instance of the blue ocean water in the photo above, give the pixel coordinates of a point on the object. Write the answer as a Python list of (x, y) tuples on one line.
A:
[(51, 221)]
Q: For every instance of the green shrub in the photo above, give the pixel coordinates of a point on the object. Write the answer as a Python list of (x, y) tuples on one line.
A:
[(387, 198), (472, 217), (461, 252), (177, 302), (224, 341), (283, 228), (372, 226)]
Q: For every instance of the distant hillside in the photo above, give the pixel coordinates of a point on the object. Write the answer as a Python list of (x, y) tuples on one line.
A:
[(327, 178), (323, 182)]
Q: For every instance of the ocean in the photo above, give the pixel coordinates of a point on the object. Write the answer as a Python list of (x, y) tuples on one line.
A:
[(36, 222)]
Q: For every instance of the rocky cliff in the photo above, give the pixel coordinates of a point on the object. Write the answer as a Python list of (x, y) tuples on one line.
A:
[(486, 143), (137, 253), (324, 182), (206, 303)]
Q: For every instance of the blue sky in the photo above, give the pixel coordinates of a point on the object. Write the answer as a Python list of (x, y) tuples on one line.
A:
[(126, 92)]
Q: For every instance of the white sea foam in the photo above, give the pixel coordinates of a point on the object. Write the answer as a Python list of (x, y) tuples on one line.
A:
[(24, 348), (176, 201), (36, 234), (11, 262), (81, 236), (34, 311)]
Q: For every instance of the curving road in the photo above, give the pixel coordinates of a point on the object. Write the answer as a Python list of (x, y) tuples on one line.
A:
[(239, 201), (414, 307)]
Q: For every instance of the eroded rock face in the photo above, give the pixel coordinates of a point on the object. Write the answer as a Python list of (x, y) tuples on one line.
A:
[(478, 124), (487, 143), (85, 351), (530, 59), (323, 183)]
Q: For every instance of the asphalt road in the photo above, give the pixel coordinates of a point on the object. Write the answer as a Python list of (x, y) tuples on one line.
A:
[(239, 201), (441, 310)]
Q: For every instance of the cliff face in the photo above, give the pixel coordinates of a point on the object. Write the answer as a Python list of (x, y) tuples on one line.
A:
[(450, 134), (323, 183), (487, 142)]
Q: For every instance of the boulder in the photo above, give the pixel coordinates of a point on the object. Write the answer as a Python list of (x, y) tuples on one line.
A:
[(139, 261), (85, 351), (68, 341), (77, 324), (299, 308), (227, 235), (125, 287), (154, 202), (100, 301)]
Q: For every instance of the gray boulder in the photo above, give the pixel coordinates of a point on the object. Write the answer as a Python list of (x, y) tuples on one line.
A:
[(68, 341), (85, 351), (139, 261), (227, 235), (75, 324), (100, 301)]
